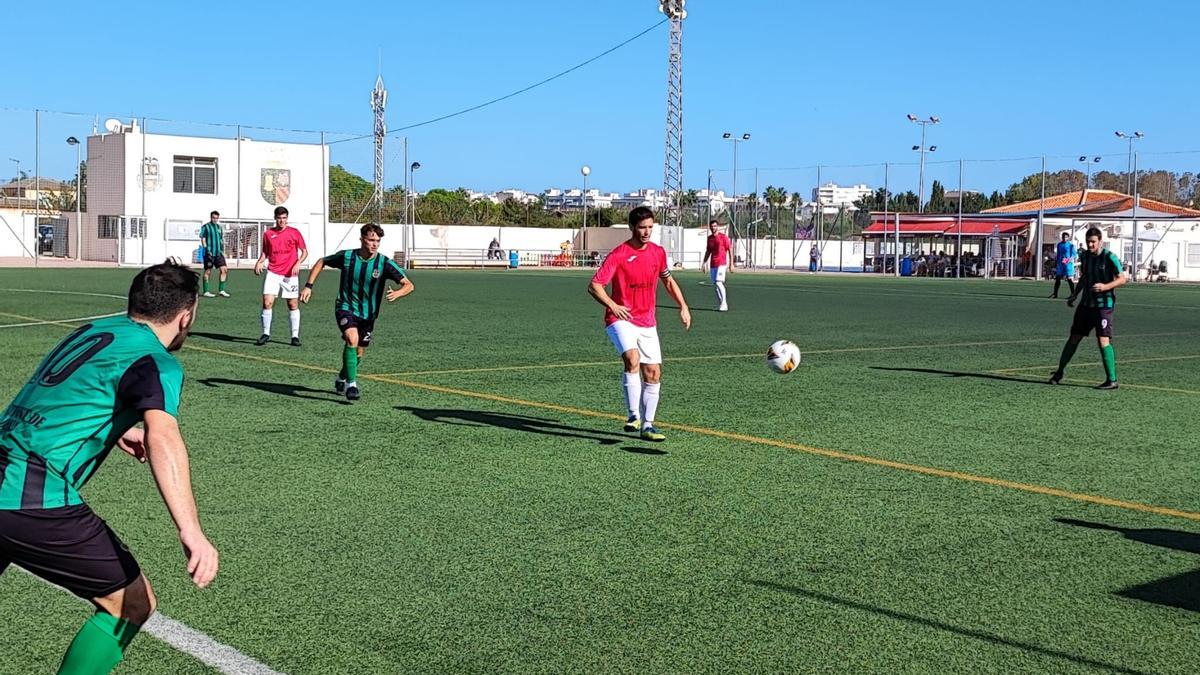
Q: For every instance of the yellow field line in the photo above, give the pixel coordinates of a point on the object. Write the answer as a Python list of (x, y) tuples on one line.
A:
[(1001, 371), (758, 440), (34, 318), (711, 357)]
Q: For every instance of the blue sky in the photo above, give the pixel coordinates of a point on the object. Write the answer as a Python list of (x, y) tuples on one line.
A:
[(814, 83)]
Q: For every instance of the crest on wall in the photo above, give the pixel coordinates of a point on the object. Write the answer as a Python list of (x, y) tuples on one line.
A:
[(275, 185), (147, 179)]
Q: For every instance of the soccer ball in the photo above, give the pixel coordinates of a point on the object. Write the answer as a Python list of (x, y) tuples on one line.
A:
[(783, 356)]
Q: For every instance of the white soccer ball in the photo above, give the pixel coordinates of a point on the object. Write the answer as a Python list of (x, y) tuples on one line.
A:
[(783, 356)]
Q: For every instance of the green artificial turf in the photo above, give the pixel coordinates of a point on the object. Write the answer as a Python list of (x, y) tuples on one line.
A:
[(484, 523)]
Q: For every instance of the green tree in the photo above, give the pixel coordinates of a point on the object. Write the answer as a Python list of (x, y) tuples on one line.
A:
[(937, 198)]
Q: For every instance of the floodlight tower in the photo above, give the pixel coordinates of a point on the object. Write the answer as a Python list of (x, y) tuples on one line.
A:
[(378, 105), (673, 164)]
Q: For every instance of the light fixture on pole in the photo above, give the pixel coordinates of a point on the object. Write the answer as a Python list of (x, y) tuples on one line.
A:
[(1087, 183), (71, 140), (735, 140), (933, 119), (17, 181), (1135, 136), (585, 170), (412, 192)]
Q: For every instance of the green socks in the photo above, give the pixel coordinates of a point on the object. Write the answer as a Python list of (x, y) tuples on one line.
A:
[(98, 646), (1110, 362), (204, 281), (350, 363), (222, 286), (1067, 352)]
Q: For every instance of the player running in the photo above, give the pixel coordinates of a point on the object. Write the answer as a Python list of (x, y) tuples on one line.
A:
[(86, 397), (634, 268), (212, 239), (364, 273), (283, 250), (1064, 264), (716, 256), (1101, 273)]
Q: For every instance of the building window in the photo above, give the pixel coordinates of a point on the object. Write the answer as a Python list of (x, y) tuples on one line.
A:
[(195, 175), (1193, 255), (107, 227)]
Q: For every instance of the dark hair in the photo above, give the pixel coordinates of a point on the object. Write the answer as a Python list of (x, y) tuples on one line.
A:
[(639, 214), (371, 227), (1094, 232), (714, 221), (161, 291), (280, 211), (1065, 235), (214, 213)]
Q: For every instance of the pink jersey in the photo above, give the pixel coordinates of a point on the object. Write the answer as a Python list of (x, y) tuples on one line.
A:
[(718, 247), (283, 249), (634, 275)]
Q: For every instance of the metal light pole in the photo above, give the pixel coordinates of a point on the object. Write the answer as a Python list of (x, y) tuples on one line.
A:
[(585, 170), (735, 140), (933, 119), (412, 219), (17, 182), (1087, 183), (1135, 136), (71, 140)]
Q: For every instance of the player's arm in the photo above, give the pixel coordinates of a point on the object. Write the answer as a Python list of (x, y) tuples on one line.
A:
[(676, 293), (168, 458), (596, 290), (262, 255), (301, 256), (393, 272), (729, 255), (306, 292), (707, 255)]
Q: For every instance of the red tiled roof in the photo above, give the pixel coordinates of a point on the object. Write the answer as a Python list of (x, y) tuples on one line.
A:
[(1094, 201), (946, 226)]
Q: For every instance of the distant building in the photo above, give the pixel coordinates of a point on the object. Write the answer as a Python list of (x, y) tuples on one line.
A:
[(832, 194)]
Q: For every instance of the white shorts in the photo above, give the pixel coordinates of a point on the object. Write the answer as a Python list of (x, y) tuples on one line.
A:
[(626, 336), (284, 287), (717, 273)]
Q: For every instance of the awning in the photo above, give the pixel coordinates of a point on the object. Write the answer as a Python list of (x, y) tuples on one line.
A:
[(948, 227)]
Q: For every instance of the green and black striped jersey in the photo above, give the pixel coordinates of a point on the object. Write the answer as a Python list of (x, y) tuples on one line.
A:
[(86, 393), (362, 286), (1101, 268), (214, 241)]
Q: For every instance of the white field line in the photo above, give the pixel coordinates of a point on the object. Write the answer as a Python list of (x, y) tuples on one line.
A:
[(49, 322)]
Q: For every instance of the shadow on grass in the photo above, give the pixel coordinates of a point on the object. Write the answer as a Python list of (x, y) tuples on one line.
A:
[(221, 337), (978, 376), (523, 423), (643, 451), (278, 388), (940, 625), (1180, 590)]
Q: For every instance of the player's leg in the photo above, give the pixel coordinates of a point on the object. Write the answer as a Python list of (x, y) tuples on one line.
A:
[(208, 265), (1081, 325), (290, 291), (623, 336), (718, 279), (350, 336), (224, 276), (1108, 357), (1057, 283), (268, 302), (101, 642), (651, 366)]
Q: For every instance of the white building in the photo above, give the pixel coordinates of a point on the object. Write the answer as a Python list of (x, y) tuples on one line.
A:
[(148, 194), (832, 194), (655, 199), (518, 196), (574, 199)]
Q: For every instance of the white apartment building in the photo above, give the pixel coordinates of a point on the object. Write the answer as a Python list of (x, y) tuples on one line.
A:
[(574, 199), (148, 194), (519, 196), (832, 194)]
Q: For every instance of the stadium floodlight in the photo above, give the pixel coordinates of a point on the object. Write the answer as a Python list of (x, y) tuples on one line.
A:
[(735, 140), (673, 8), (933, 148), (71, 140), (1135, 136), (933, 119), (1088, 181), (586, 171)]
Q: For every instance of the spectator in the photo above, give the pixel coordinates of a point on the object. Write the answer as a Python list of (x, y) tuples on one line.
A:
[(494, 252)]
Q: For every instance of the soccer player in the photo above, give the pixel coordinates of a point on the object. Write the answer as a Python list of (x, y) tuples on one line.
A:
[(634, 268), (716, 256), (1064, 264), (1101, 273), (283, 250), (87, 396), (212, 239), (364, 273)]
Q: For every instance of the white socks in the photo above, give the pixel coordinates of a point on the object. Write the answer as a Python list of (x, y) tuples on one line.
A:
[(294, 319), (720, 286), (649, 403), (632, 383), (266, 319)]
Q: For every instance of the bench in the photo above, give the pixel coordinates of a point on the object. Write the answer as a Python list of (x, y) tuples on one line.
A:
[(450, 259)]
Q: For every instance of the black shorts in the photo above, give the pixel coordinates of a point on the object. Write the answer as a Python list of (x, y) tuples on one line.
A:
[(1088, 319), (366, 327), (69, 546), (211, 261)]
